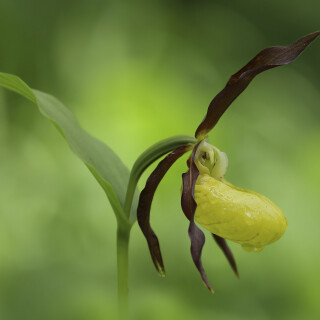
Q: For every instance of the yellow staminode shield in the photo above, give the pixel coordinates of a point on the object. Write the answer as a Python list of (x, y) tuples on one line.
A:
[(243, 216)]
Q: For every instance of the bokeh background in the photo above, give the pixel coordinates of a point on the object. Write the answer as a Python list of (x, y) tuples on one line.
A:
[(135, 72)]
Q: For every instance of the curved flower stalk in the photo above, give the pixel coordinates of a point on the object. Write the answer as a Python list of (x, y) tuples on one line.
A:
[(228, 212)]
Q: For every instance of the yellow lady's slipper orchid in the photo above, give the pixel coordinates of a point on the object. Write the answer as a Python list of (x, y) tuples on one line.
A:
[(228, 212), (240, 215)]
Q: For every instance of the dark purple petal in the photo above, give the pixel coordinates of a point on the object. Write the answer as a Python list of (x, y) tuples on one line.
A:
[(189, 179), (189, 206), (268, 58), (188, 203), (197, 242), (227, 252), (145, 200)]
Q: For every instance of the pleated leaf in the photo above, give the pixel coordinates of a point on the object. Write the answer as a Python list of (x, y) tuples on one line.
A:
[(102, 162)]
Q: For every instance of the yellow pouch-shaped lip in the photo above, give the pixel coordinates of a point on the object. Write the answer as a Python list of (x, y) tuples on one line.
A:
[(243, 216)]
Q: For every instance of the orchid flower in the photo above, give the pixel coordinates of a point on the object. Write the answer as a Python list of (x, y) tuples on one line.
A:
[(226, 211)]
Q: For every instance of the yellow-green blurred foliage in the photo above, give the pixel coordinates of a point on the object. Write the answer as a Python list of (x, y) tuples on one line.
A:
[(135, 72)]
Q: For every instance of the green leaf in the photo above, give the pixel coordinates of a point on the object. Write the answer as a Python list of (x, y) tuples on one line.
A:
[(103, 163)]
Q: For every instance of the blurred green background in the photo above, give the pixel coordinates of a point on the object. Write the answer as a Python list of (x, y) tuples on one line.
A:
[(135, 72)]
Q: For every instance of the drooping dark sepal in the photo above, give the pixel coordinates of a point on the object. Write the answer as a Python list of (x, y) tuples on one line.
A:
[(145, 201), (227, 252), (189, 206), (268, 58)]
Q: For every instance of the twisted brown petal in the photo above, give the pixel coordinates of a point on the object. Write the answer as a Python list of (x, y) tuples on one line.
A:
[(189, 206), (145, 200), (268, 58), (227, 252)]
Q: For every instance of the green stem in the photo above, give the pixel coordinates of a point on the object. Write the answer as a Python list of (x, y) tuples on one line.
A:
[(123, 232), (148, 157), (123, 236)]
